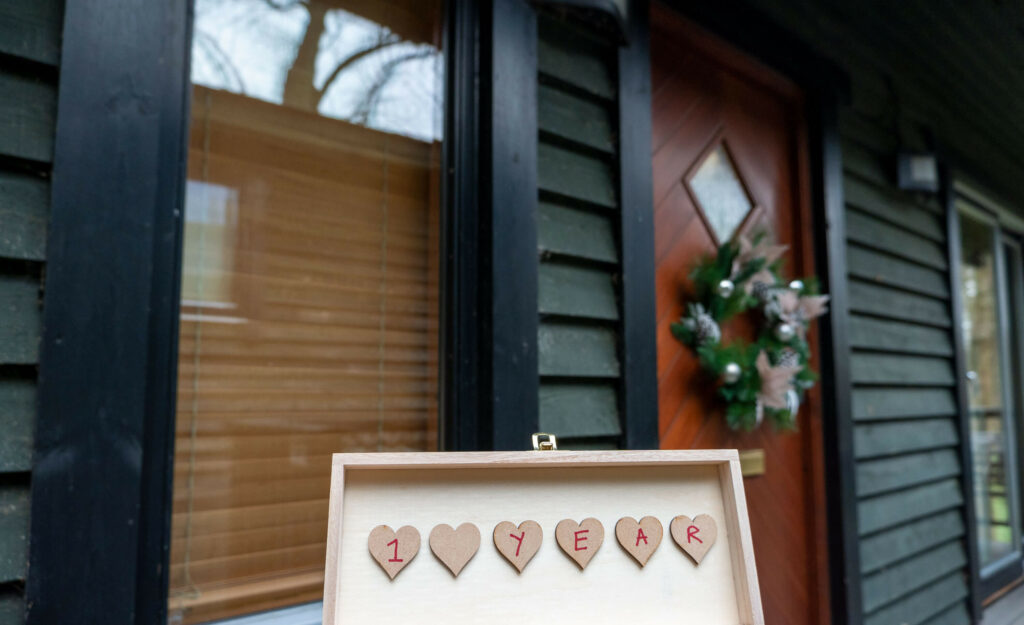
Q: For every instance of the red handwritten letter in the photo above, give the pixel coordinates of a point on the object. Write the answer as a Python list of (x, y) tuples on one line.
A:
[(576, 535), (396, 558), (691, 534), (640, 536), (520, 539)]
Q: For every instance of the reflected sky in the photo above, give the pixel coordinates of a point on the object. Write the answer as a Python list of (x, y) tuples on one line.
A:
[(249, 47)]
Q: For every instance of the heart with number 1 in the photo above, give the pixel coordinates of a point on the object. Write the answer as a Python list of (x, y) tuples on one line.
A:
[(393, 550)]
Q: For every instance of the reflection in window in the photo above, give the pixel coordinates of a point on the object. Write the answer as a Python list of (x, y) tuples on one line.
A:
[(990, 429), (720, 194), (309, 290)]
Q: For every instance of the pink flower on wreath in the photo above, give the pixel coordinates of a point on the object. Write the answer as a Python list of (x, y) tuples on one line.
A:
[(776, 382)]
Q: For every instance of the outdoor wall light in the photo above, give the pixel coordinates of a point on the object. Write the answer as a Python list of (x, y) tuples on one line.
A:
[(918, 171)]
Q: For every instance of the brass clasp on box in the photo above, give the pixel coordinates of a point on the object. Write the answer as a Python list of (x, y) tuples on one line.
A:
[(543, 441)]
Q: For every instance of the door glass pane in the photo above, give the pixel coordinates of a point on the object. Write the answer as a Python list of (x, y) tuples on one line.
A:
[(991, 430), (720, 194), (310, 282)]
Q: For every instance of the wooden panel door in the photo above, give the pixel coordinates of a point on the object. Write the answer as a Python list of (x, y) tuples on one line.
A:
[(709, 100)]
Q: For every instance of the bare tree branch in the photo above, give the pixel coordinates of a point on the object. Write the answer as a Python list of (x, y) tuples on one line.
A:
[(351, 60), (372, 95), (283, 6)]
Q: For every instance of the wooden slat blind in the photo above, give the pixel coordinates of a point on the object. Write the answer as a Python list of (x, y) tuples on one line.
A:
[(308, 327)]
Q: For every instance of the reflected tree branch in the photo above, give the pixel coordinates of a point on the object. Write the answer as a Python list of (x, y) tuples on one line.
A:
[(351, 60)]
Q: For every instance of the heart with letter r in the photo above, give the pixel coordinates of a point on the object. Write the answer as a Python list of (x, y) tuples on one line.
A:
[(694, 536)]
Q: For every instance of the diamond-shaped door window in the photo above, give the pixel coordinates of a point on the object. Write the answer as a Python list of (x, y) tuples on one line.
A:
[(720, 194)]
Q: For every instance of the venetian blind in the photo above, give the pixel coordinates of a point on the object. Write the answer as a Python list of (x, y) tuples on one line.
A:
[(308, 327)]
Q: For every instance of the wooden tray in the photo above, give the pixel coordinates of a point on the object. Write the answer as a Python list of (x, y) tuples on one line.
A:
[(485, 488)]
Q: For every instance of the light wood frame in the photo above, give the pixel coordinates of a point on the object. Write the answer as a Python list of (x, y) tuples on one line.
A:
[(735, 527)]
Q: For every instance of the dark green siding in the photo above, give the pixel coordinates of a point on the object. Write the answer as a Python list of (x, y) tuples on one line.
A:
[(906, 435), (577, 238), (29, 53), (922, 75)]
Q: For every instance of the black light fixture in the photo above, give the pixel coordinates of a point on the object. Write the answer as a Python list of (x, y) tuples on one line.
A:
[(918, 171)]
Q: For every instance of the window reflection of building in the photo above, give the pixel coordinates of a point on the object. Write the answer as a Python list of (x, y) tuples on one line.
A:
[(309, 316)]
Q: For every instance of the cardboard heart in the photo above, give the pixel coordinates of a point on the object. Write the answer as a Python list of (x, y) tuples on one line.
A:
[(639, 539), (518, 544), (695, 536), (455, 547), (580, 541), (393, 550)]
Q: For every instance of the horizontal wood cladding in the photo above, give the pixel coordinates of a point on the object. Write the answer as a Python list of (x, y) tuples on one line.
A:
[(584, 292), (30, 32), (12, 607), (906, 437), (30, 29), (578, 238), (28, 114), (24, 210), (14, 511), (22, 315), (580, 409), (581, 351), (17, 415), (898, 544), (576, 232)]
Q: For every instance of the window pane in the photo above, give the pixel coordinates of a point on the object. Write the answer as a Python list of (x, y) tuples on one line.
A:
[(990, 430), (310, 281), (720, 194)]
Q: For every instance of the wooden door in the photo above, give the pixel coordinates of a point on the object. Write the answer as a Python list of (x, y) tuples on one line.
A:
[(711, 102)]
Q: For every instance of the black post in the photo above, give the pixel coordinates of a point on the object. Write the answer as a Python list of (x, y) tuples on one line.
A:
[(461, 395), (837, 426), (101, 483), (509, 190), (639, 342)]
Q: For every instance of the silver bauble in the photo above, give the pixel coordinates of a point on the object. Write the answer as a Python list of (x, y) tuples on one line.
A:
[(725, 288), (785, 332), (797, 285), (731, 373)]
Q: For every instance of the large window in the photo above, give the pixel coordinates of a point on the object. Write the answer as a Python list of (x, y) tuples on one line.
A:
[(990, 284), (309, 304)]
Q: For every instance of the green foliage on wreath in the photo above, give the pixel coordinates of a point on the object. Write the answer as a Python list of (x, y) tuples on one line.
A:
[(757, 287)]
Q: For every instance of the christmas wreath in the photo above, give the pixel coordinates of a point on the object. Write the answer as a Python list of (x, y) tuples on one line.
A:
[(770, 375)]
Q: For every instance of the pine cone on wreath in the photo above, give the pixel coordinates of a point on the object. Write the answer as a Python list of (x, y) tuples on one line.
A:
[(705, 328), (789, 358)]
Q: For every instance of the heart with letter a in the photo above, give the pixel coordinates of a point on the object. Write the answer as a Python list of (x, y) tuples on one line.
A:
[(639, 538), (580, 541), (393, 550), (695, 536), (455, 547), (518, 544)]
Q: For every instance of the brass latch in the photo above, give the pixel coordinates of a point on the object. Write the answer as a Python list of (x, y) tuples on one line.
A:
[(543, 441)]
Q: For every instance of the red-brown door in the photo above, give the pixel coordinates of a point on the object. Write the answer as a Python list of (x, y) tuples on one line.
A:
[(723, 124)]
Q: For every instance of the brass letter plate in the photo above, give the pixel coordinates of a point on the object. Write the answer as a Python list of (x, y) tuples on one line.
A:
[(751, 462)]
